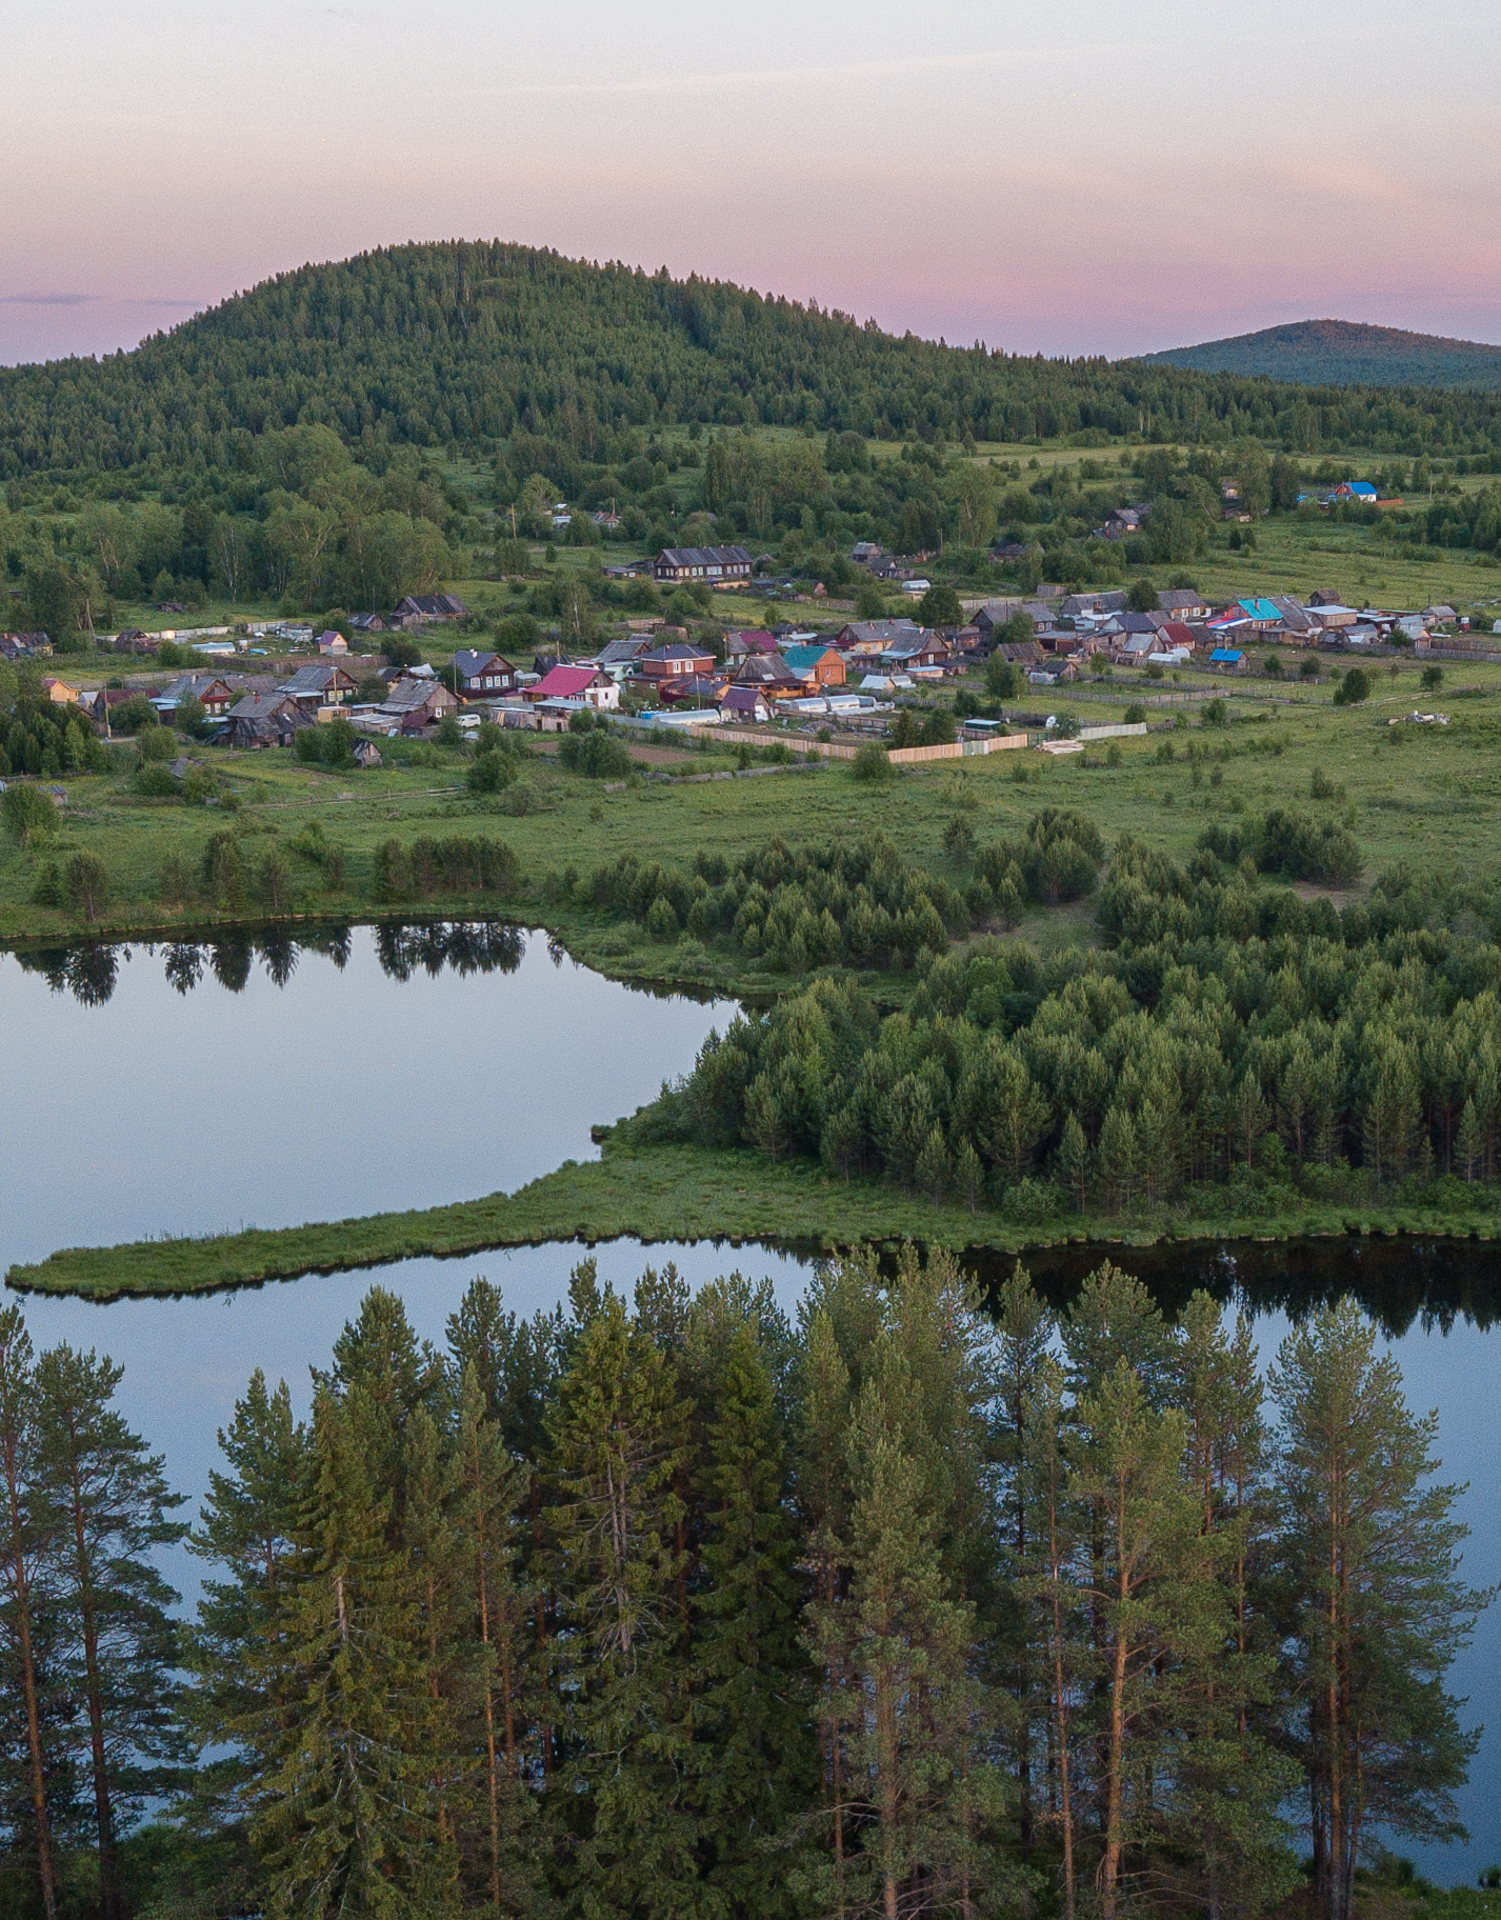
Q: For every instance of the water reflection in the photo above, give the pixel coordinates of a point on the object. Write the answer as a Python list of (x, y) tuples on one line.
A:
[(90, 970), (313, 1073), (1402, 1282)]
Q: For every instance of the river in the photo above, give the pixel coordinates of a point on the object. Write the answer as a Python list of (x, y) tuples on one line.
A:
[(195, 1088)]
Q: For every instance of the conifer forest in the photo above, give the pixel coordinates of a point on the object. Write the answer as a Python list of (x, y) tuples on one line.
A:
[(918, 1604)]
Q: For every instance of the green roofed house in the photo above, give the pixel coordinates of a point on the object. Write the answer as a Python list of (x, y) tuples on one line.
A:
[(819, 665)]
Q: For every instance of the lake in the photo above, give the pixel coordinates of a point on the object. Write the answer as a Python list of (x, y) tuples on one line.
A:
[(194, 1087)]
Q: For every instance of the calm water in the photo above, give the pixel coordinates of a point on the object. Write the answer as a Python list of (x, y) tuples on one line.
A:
[(190, 1089)]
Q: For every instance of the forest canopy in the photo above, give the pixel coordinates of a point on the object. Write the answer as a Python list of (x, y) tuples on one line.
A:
[(462, 343)]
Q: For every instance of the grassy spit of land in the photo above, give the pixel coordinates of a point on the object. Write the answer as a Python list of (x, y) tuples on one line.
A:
[(670, 1193)]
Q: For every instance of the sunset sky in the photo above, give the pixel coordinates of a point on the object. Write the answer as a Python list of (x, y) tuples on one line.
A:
[(1060, 177)]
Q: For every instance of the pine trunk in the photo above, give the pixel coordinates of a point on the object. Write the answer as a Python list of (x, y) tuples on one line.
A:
[(36, 1761)]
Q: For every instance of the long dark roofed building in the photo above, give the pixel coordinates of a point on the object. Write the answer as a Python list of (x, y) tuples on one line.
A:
[(706, 564)]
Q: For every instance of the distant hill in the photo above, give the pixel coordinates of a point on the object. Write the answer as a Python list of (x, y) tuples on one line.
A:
[(1345, 353), (492, 346)]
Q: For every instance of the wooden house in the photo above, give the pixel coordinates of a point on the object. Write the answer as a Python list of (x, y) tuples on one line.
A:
[(261, 720), (478, 674), (707, 566)]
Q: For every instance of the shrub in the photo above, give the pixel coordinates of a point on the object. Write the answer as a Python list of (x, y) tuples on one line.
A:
[(175, 880), (87, 884), (1355, 687), (872, 762), (1432, 677), (959, 838), (489, 773), (28, 812), (1136, 714), (1216, 714), (157, 743), (222, 873), (598, 755), (154, 781)]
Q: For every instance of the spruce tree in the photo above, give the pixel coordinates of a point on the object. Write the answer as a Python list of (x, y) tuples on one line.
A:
[(492, 1488), (346, 1818), (247, 1527), (109, 1500), (1375, 1608), (627, 1838), (750, 1683)]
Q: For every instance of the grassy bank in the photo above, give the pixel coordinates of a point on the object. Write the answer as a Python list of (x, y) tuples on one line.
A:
[(667, 1193)]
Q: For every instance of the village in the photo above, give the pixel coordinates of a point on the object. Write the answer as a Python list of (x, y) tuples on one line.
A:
[(816, 680)]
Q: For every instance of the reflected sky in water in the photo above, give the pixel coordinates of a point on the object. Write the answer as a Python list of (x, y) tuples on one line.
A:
[(400, 1068)]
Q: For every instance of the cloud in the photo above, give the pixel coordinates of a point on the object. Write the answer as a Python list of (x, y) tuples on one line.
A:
[(46, 299)]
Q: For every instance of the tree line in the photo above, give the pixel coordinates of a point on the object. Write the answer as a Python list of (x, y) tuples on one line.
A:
[(1229, 1036), (676, 1606)]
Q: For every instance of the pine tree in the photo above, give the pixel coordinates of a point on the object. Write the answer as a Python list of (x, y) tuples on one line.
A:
[(1025, 1330), (1053, 1589), (26, 1541), (1127, 1476), (110, 1501), (617, 1430), (750, 1682), (1377, 1610), (823, 1504), (922, 1792)]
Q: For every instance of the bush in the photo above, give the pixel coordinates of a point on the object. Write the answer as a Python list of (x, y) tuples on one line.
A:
[(1432, 678), (28, 812), (1216, 714), (597, 755), (175, 881), (938, 729), (330, 744), (1355, 687), (132, 714), (157, 743), (1136, 714), (222, 873), (489, 773), (872, 762), (154, 781)]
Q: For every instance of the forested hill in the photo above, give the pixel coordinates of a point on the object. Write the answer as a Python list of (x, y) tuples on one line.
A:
[(1344, 353), (461, 343)]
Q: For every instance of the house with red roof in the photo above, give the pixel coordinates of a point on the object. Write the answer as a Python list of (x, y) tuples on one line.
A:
[(583, 686)]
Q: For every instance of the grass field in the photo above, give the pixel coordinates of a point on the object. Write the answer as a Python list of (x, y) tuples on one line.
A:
[(1418, 794)]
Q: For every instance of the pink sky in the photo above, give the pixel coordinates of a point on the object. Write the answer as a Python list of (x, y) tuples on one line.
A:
[(1050, 178)]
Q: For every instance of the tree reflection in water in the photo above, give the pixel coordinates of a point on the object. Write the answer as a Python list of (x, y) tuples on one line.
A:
[(89, 971)]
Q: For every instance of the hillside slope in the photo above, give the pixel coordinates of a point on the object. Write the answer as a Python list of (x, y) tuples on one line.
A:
[(468, 344), (1345, 353)]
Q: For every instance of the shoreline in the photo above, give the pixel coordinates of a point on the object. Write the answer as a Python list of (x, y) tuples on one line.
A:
[(669, 1194)]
